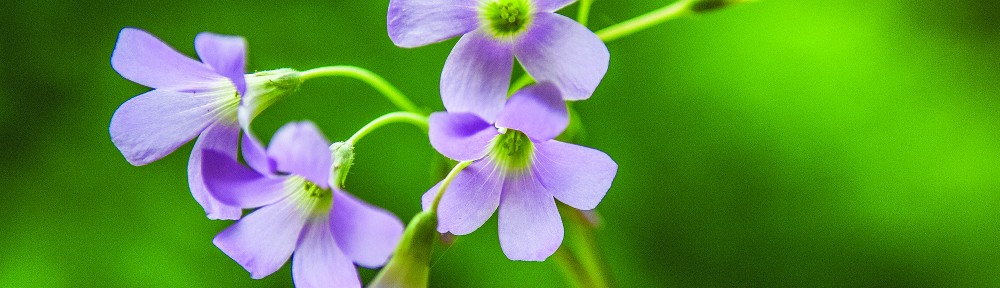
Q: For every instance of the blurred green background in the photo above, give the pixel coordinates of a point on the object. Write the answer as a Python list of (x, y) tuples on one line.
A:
[(779, 144)]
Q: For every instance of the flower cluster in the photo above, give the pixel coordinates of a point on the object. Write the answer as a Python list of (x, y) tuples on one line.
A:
[(508, 160)]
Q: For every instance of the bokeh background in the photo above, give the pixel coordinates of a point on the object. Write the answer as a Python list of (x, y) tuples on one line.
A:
[(848, 143)]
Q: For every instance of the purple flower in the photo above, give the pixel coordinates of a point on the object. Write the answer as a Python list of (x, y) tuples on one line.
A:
[(520, 169), (189, 99), (326, 228), (551, 47)]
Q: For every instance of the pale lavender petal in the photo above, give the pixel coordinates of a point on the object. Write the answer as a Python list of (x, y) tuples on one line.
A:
[(413, 23), (152, 125), (301, 149), (318, 261), (226, 54), (460, 136), (576, 175), (262, 241), (530, 227), (222, 138), (551, 5), (471, 198), (236, 185), (144, 59), (255, 155), (559, 50), (538, 111), (476, 75), (367, 234)]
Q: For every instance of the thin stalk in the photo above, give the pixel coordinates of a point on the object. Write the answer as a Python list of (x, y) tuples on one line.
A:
[(645, 21), (583, 12), (446, 182), (374, 80), (416, 119)]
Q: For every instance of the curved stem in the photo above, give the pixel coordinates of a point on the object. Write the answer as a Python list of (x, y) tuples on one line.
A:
[(643, 22), (374, 80), (446, 182), (416, 119)]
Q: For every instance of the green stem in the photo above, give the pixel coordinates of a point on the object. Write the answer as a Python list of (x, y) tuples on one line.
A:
[(374, 80), (583, 245), (416, 119), (643, 22), (447, 181), (583, 12)]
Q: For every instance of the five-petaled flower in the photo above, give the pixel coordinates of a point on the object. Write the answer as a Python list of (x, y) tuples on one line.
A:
[(300, 211), (518, 168), (189, 99), (476, 76)]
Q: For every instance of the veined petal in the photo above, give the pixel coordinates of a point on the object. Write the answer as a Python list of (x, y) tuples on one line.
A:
[(152, 125), (226, 54), (470, 199), (476, 75), (367, 234), (144, 59), (222, 138), (538, 111), (301, 149), (262, 241), (460, 136), (255, 154), (413, 23), (559, 50), (319, 262), (551, 5), (576, 175), (236, 185), (530, 227)]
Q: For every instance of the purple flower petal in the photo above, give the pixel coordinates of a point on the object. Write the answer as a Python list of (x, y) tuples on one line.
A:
[(470, 199), (476, 75), (234, 184), (255, 155), (460, 136), (222, 138), (413, 23), (551, 5), (301, 149), (530, 227), (226, 54), (576, 175), (560, 50), (144, 59), (538, 111), (152, 125), (318, 262), (367, 234), (262, 241)]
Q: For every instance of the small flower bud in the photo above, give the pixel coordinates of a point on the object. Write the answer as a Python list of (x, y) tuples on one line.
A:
[(410, 265), (343, 157)]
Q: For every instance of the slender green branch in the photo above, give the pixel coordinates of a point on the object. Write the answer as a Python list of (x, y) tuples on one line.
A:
[(374, 80), (653, 18), (583, 12), (446, 182), (416, 119)]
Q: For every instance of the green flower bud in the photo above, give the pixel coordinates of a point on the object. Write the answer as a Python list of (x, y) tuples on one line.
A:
[(343, 157), (410, 265)]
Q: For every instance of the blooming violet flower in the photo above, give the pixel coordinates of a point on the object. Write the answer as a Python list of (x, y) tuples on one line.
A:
[(520, 169), (300, 212), (190, 99), (550, 47)]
